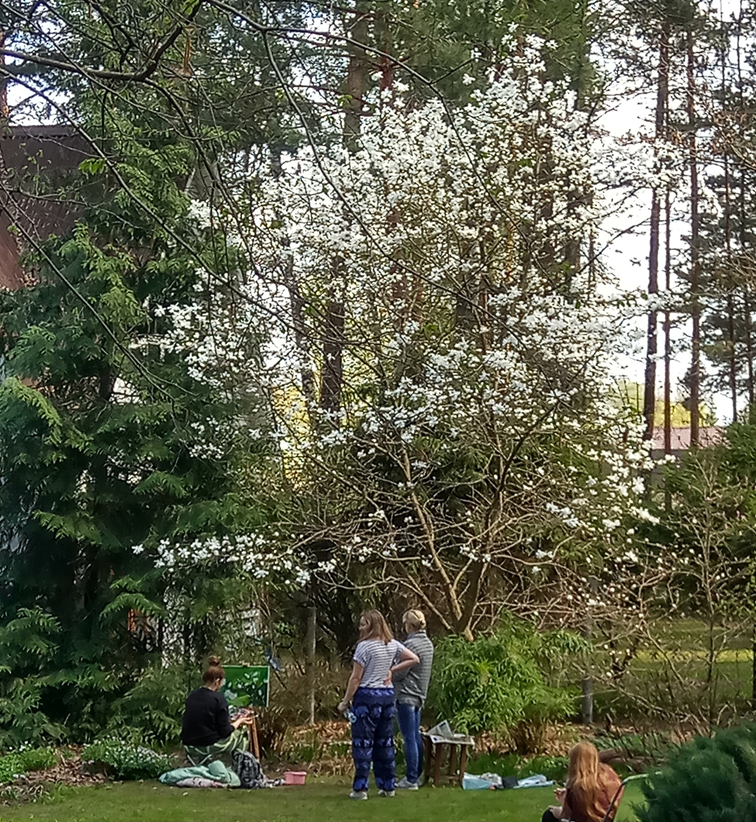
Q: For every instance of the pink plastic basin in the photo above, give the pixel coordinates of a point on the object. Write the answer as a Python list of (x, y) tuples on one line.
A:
[(295, 777)]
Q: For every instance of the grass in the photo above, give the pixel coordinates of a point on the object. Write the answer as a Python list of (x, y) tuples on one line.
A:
[(149, 802), (672, 674)]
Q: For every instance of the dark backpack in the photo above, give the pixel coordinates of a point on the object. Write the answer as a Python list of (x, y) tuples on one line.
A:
[(248, 769)]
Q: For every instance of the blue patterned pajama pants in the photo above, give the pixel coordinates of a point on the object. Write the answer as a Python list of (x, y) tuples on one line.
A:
[(373, 738)]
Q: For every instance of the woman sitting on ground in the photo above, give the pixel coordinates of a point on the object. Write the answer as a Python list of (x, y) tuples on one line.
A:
[(207, 729), (591, 787)]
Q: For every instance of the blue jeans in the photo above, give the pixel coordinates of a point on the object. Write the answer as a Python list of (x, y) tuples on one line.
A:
[(409, 725)]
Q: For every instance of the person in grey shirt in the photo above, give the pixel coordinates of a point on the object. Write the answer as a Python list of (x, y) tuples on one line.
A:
[(411, 688)]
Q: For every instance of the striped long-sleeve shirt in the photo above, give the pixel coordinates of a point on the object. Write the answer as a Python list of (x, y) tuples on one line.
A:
[(411, 685)]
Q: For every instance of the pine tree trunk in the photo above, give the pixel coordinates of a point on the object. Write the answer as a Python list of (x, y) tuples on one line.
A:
[(749, 344), (667, 344), (332, 378), (649, 394), (667, 328), (649, 383), (732, 371), (727, 280), (746, 294), (695, 307), (753, 668), (4, 110), (298, 308), (355, 87), (355, 83), (743, 216), (301, 339)]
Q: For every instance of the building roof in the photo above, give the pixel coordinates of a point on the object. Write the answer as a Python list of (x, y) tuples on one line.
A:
[(680, 440), (34, 164)]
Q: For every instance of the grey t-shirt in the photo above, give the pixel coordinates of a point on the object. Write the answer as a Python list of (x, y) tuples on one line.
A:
[(376, 657), (411, 685)]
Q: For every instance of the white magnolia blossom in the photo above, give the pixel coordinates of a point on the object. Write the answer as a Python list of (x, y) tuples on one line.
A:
[(456, 250), (246, 553)]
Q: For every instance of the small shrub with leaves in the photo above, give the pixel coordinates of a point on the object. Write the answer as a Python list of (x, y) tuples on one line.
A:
[(501, 682), (124, 760), (18, 762)]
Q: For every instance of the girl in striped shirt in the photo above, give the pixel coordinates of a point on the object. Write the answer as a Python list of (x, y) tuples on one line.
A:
[(370, 693)]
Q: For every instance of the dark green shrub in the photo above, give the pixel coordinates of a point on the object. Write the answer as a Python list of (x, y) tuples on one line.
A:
[(151, 711), (501, 682), (27, 643), (706, 780), (124, 760)]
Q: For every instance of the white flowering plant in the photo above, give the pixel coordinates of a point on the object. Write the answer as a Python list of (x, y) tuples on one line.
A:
[(125, 760), (436, 352)]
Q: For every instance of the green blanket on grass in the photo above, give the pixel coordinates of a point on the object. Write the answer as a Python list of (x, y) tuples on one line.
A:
[(215, 770)]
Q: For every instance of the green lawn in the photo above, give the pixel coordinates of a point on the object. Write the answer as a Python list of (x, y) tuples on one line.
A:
[(148, 802), (671, 673)]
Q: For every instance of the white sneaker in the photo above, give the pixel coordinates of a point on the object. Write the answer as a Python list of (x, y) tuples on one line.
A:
[(358, 795), (385, 793), (405, 785)]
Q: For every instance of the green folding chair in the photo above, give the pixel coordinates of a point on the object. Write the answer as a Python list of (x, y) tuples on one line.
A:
[(614, 804)]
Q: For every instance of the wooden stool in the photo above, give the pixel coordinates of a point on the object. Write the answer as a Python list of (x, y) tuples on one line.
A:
[(436, 750)]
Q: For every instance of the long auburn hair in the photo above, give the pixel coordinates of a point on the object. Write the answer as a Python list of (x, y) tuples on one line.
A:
[(585, 781), (376, 628)]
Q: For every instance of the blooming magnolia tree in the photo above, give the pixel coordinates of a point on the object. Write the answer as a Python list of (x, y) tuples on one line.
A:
[(357, 344), (461, 447)]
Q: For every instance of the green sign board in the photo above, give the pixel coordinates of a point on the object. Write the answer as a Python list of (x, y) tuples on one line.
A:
[(247, 686)]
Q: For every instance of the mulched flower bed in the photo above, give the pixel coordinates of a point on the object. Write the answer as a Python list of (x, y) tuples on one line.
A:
[(34, 784)]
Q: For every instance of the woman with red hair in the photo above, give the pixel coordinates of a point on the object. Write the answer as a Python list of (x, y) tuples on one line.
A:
[(591, 786)]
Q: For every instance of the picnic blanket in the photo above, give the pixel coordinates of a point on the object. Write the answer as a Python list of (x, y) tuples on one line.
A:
[(492, 781)]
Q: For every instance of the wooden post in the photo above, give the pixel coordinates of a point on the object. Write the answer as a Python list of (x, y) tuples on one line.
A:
[(462, 764), (436, 765), (254, 742), (452, 760), (427, 757), (310, 650)]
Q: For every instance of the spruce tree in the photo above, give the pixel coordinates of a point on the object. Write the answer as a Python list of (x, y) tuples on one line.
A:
[(704, 780), (111, 436)]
